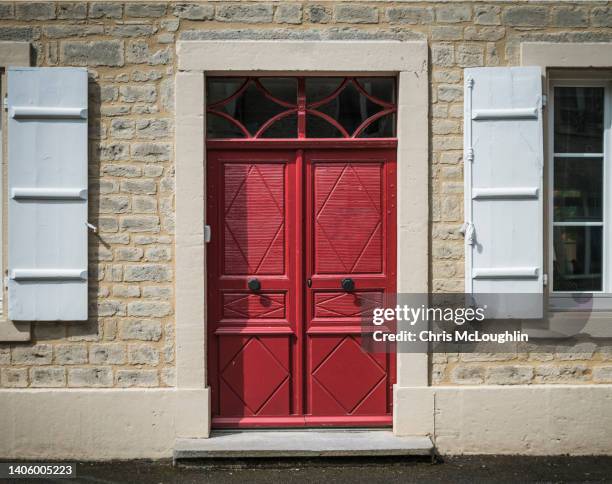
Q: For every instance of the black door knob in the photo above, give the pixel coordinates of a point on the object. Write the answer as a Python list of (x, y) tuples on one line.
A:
[(348, 284), (254, 284)]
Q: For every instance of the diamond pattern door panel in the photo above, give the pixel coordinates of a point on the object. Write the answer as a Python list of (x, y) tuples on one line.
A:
[(351, 234), (331, 395), (243, 394), (253, 306), (252, 332)]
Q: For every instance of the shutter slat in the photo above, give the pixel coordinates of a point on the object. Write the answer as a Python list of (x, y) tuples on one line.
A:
[(511, 113), (42, 112), (47, 207), (505, 273), (503, 185), (48, 274), (50, 193), (505, 192)]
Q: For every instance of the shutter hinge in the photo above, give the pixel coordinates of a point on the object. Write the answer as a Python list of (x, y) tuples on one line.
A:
[(5, 103), (545, 279), (207, 233), (544, 100), (467, 229), (469, 154)]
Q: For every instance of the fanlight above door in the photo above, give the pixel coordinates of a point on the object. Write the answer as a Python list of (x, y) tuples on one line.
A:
[(302, 107)]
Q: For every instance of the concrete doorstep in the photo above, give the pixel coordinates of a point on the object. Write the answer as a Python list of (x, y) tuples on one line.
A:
[(302, 443)]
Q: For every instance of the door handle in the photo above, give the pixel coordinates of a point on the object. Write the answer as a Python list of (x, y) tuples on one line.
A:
[(254, 284), (348, 284)]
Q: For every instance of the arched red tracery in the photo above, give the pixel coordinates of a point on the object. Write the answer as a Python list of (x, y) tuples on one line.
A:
[(303, 108)]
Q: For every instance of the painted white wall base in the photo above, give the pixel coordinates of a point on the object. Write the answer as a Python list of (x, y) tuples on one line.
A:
[(98, 424), (525, 419)]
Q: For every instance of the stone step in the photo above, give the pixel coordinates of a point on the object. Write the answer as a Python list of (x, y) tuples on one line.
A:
[(302, 443)]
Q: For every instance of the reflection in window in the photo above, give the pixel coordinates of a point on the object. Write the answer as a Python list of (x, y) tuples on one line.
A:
[(577, 258), (248, 105), (578, 189), (356, 107), (285, 127), (579, 119)]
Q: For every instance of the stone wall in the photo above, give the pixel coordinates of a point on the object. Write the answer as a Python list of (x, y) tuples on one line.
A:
[(129, 50)]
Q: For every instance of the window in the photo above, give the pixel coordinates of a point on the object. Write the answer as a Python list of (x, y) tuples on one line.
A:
[(580, 202), (293, 107)]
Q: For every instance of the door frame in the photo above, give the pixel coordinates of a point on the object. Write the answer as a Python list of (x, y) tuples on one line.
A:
[(406, 60)]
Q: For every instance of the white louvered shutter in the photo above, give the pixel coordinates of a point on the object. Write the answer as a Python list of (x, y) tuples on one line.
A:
[(47, 194), (503, 153)]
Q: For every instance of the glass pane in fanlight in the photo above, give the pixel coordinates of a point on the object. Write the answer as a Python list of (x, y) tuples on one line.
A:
[(383, 127), (317, 127), (252, 108), (286, 127), (220, 88), (218, 127), (350, 108), (382, 88), (318, 88), (282, 88)]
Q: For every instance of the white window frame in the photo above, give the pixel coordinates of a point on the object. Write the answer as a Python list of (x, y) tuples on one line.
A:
[(574, 300), (12, 54), (588, 59)]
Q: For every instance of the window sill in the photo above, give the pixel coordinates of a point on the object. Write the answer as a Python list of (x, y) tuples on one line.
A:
[(569, 323), (576, 302)]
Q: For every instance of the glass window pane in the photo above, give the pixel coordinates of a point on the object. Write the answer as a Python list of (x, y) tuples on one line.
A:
[(252, 102), (218, 127), (382, 88), (285, 127), (318, 88), (220, 88), (252, 107), (317, 127), (578, 192), (577, 259), (383, 127), (579, 119), (350, 108), (282, 88)]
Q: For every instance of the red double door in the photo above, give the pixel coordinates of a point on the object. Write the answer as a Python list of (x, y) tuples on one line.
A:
[(292, 231)]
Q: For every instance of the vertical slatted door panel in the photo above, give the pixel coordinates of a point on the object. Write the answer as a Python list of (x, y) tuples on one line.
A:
[(47, 199), (504, 174)]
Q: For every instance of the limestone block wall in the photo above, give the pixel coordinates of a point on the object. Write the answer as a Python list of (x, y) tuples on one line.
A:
[(129, 50)]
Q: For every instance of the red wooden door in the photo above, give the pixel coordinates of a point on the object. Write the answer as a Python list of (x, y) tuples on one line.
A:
[(350, 212), (298, 221), (253, 335)]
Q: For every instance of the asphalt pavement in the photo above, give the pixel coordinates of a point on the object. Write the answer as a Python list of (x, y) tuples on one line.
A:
[(475, 469)]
